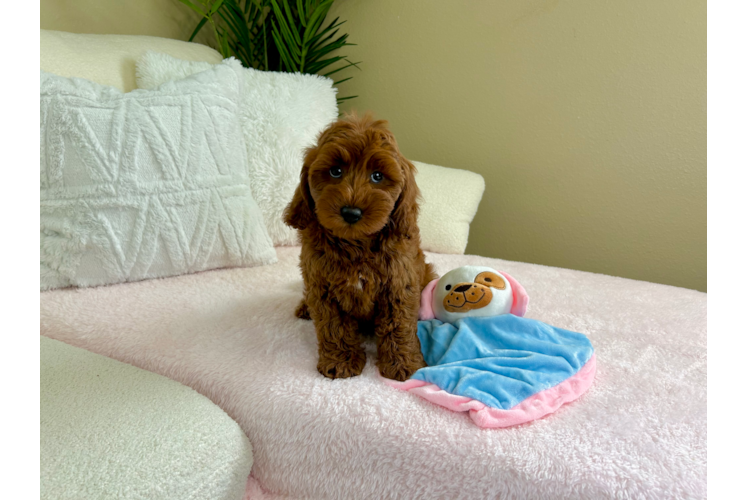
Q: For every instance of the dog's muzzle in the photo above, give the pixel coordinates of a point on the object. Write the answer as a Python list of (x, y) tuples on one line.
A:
[(351, 214)]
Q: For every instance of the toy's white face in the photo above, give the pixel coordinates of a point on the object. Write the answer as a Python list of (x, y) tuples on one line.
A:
[(471, 291)]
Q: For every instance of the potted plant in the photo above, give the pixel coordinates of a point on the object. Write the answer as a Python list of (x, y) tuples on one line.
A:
[(276, 35)]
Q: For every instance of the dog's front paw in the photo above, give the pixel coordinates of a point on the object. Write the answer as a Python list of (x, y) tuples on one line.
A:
[(351, 367), (400, 370)]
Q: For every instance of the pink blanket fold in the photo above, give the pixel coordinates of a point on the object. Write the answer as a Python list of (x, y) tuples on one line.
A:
[(536, 406)]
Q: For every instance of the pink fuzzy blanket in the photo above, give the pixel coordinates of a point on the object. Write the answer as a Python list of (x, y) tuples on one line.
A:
[(640, 431)]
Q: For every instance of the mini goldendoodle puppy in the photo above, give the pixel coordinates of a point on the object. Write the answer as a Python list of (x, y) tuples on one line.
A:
[(356, 209)]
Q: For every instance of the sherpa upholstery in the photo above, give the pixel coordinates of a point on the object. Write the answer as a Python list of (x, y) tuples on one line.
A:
[(110, 59), (450, 199), (282, 114), (110, 430), (639, 432), (145, 184)]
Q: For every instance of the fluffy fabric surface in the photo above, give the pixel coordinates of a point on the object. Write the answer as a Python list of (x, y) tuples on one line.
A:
[(502, 361), (110, 59), (145, 184), (639, 432), (110, 430), (449, 201), (282, 114)]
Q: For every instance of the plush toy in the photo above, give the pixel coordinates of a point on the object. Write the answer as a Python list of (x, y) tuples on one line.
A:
[(485, 358), (471, 291)]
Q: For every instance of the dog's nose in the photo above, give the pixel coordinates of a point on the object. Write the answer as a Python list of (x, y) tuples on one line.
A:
[(463, 288), (351, 214)]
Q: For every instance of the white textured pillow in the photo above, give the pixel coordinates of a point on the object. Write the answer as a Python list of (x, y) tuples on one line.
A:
[(145, 184), (450, 199), (282, 115)]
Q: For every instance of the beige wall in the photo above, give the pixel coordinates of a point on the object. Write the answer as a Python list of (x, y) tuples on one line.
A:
[(164, 18), (587, 119)]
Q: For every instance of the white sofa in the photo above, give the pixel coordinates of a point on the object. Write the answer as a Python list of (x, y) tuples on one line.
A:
[(640, 432), (111, 430)]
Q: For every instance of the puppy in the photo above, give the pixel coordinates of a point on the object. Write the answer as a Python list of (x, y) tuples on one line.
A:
[(363, 269)]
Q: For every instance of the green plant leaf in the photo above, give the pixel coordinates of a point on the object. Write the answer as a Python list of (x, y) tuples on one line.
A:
[(300, 10), (290, 42), (321, 43), (320, 65), (316, 19), (193, 7), (289, 32), (272, 35), (198, 28), (215, 7), (321, 33), (234, 18), (321, 50), (285, 56), (343, 67)]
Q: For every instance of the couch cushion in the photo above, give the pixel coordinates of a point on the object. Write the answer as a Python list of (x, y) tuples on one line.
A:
[(110, 430), (110, 59), (450, 199)]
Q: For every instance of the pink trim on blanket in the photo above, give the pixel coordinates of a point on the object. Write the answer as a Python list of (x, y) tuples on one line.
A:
[(532, 408)]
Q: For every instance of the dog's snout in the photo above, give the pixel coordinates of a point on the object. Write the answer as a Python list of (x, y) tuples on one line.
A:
[(463, 288), (351, 214)]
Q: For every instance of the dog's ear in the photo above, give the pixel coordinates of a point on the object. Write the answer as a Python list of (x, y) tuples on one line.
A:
[(405, 214), (300, 212)]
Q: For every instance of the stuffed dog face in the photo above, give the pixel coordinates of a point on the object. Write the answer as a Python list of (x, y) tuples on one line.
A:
[(471, 291)]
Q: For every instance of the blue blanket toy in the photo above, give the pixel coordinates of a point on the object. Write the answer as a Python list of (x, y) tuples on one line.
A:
[(485, 358)]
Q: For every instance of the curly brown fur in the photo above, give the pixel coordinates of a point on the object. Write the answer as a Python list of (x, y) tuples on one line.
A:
[(363, 276)]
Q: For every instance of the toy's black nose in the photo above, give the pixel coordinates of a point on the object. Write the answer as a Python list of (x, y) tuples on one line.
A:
[(463, 288), (351, 214)]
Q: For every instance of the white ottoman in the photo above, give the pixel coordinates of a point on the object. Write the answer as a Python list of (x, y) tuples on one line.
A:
[(110, 430)]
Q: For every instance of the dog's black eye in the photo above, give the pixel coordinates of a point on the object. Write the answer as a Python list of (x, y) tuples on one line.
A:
[(448, 287), (377, 177), (336, 172)]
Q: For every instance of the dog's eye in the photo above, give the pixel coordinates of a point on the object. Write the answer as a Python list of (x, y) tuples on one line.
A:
[(448, 287), (377, 177), (336, 172)]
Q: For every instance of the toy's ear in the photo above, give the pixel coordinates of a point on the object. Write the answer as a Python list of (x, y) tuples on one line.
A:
[(520, 298), (426, 312)]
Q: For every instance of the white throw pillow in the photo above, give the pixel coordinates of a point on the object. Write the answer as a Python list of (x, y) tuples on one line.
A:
[(145, 184), (282, 115), (449, 201)]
